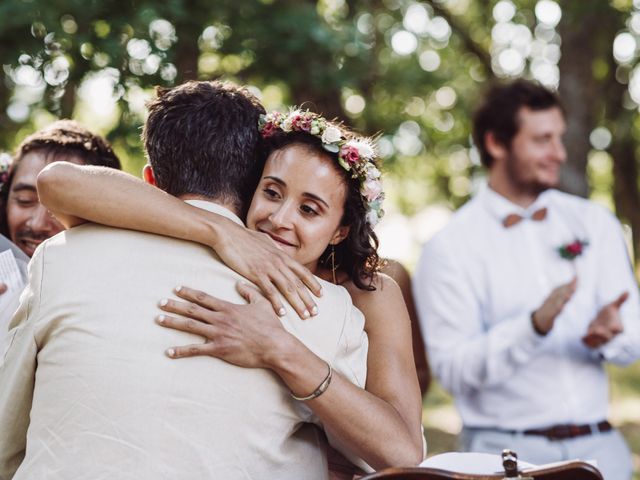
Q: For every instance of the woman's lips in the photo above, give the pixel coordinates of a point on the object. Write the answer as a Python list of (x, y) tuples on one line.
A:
[(279, 239)]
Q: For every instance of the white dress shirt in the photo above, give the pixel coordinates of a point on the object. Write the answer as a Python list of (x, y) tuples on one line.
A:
[(15, 281), (476, 286)]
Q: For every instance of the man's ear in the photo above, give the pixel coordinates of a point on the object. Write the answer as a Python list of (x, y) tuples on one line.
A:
[(495, 148), (339, 235), (148, 176)]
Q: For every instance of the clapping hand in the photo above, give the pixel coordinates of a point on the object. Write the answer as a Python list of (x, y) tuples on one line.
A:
[(545, 316), (3, 288), (258, 258), (606, 325)]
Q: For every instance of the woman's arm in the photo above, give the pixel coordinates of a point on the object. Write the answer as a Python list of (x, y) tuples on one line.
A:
[(381, 425), (80, 193), (391, 371)]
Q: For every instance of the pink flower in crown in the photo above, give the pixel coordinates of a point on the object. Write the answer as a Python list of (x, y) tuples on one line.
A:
[(296, 120), (269, 129), (371, 189), (350, 154), (304, 124)]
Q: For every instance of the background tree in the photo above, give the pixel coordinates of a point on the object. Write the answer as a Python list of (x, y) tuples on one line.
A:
[(411, 70)]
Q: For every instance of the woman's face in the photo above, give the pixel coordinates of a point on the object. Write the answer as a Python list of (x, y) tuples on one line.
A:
[(299, 203)]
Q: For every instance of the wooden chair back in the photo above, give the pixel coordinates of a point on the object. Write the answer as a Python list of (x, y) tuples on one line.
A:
[(561, 471)]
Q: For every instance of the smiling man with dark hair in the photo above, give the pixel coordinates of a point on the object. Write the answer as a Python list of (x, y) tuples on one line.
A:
[(27, 222)]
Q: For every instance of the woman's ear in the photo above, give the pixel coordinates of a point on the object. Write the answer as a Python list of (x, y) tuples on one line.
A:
[(149, 177), (339, 235)]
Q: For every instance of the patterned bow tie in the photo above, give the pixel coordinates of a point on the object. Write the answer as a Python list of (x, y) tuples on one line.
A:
[(513, 218)]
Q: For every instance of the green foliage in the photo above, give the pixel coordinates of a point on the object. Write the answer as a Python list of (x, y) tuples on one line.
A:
[(342, 58)]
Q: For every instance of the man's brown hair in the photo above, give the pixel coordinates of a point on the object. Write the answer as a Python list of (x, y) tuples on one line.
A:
[(65, 138), (498, 112), (202, 138), (61, 140)]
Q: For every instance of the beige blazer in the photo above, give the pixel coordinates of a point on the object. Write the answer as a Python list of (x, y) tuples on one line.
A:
[(86, 391)]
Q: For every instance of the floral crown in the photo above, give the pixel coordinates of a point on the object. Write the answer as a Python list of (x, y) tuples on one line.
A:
[(356, 155)]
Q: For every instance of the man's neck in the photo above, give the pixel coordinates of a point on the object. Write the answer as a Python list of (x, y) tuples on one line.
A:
[(231, 206), (514, 193)]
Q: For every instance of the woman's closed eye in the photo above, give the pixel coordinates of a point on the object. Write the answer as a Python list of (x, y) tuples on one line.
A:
[(27, 201)]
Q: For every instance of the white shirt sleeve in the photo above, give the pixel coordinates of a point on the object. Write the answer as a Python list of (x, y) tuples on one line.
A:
[(466, 354), (615, 276)]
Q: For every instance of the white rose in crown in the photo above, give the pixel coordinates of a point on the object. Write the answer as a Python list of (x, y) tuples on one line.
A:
[(365, 149), (372, 171), (371, 189), (286, 125), (331, 135)]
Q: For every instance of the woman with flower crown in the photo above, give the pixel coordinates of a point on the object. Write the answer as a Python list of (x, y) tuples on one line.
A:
[(318, 200)]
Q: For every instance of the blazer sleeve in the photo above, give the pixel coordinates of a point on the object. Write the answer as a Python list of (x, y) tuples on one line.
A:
[(17, 372)]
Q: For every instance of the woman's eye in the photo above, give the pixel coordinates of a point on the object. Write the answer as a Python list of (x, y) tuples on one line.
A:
[(308, 210), (269, 192), (25, 202)]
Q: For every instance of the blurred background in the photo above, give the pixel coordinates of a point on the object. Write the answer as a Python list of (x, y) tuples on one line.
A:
[(407, 71)]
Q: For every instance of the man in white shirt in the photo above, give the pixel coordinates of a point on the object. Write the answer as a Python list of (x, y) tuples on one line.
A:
[(86, 390), (527, 293)]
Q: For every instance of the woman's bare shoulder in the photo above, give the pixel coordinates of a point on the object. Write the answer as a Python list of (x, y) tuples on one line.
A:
[(386, 290)]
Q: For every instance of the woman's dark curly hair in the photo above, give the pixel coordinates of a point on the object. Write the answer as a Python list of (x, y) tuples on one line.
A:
[(357, 254)]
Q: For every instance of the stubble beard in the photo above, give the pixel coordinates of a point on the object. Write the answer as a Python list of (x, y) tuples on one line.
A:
[(519, 180)]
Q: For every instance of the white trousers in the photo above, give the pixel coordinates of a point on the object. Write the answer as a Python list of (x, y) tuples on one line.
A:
[(608, 448)]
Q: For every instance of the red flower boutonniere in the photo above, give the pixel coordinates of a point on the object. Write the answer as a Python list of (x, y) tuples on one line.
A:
[(572, 250)]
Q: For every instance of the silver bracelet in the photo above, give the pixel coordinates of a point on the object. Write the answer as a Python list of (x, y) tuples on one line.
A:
[(318, 391)]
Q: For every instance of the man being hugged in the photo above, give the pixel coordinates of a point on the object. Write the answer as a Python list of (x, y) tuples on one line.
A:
[(527, 293)]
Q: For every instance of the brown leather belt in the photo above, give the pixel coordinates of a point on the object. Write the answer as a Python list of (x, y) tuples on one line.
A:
[(564, 432)]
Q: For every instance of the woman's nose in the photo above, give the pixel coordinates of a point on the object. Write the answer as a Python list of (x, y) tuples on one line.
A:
[(281, 217)]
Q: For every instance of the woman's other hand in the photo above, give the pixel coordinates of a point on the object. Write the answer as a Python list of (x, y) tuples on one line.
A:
[(257, 257), (3, 288), (246, 335)]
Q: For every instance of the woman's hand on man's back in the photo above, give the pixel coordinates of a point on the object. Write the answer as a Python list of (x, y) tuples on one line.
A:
[(259, 259)]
